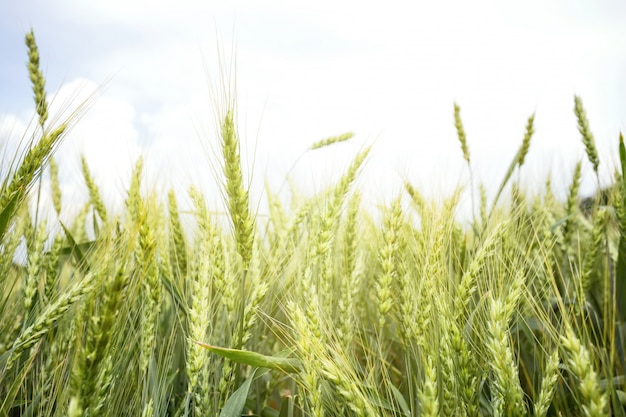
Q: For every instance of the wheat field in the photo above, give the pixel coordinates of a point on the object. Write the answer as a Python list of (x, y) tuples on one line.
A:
[(318, 309)]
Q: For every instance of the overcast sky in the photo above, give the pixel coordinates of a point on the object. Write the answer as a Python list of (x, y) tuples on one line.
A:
[(390, 72)]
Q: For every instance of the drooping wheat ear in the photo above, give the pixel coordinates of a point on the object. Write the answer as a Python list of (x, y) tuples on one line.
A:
[(508, 391), (94, 193), (571, 207), (523, 150), (597, 244), (332, 140), (321, 249), (56, 188), (461, 132), (37, 79), (578, 360), (48, 318), (238, 204), (416, 197), (428, 393), (339, 372), (178, 246), (15, 191), (325, 237), (346, 181), (587, 136), (548, 385), (389, 262), (467, 286)]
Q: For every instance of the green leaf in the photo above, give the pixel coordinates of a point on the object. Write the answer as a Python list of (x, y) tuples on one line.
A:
[(234, 405), (286, 408), (404, 406), (287, 365)]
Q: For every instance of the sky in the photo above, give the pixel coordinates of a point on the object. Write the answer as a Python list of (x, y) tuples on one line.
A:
[(390, 73)]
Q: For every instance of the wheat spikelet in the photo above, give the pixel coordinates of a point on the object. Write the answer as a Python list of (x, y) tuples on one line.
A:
[(94, 193), (571, 207), (587, 136), (467, 285), (548, 385), (523, 150), (149, 273), (47, 319), (178, 245), (35, 263), (238, 204), (37, 79), (349, 284), (388, 258), (79, 230), (200, 324), (52, 266), (428, 393), (133, 201), (447, 382), (579, 363), (310, 377), (325, 239), (332, 140), (598, 233), (458, 124), (509, 394), (22, 179), (483, 203), (56, 188)]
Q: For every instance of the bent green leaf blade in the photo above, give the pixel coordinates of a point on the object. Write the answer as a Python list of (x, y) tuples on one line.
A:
[(287, 365)]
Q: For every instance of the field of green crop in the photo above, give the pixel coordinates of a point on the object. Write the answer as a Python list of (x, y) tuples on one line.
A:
[(316, 310)]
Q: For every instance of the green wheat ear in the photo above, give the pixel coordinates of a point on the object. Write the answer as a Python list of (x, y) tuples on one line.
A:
[(332, 140), (237, 194), (461, 132), (36, 78), (585, 131)]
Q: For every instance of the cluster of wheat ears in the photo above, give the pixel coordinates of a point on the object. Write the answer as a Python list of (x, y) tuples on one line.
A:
[(316, 310)]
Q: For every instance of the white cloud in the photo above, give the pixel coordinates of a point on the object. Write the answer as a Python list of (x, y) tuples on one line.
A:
[(390, 73)]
